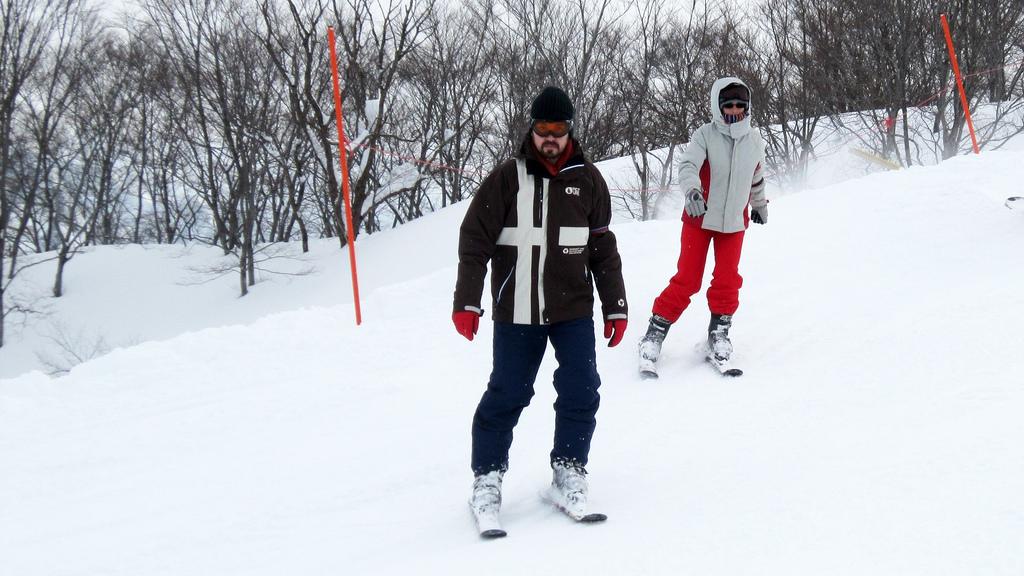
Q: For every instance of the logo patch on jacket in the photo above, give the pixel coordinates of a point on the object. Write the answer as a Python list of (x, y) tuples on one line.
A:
[(572, 190)]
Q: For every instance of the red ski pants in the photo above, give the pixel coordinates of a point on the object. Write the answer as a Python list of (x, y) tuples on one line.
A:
[(724, 293)]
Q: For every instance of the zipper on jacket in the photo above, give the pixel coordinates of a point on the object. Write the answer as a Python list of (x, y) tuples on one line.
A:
[(538, 218), (503, 284), (728, 187)]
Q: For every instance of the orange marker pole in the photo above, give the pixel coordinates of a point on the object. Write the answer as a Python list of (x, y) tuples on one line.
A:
[(959, 83), (343, 160)]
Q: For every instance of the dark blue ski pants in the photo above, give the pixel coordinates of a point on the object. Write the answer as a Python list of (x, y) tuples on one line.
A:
[(518, 351)]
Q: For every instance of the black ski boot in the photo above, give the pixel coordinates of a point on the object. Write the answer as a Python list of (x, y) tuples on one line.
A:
[(719, 346), (650, 346)]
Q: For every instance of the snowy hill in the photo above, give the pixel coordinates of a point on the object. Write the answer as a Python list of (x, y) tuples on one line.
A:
[(877, 430)]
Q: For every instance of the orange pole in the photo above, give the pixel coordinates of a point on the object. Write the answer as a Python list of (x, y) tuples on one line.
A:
[(343, 160), (959, 83)]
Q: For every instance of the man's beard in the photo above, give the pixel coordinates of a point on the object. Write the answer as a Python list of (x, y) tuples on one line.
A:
[(550, 150)]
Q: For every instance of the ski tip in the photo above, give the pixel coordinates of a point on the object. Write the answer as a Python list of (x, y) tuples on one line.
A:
[(493, 533), (722, 367), (593, 518)]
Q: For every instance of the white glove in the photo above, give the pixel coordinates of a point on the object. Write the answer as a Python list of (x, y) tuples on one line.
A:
[(695, 205)]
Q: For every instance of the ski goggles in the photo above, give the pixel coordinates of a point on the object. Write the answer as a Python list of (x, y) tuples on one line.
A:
[(741, 104), (545, 128)]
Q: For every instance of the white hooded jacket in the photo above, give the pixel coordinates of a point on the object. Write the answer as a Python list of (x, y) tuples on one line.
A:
[(735, 153)]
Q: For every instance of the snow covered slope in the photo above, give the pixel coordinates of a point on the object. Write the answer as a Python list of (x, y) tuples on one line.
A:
[(877, 430)]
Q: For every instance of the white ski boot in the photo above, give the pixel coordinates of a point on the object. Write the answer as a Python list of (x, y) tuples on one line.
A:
[(650, 346), (569, 491), (486, 504)]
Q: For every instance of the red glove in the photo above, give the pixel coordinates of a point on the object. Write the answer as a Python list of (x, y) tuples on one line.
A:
[(615, 330), (466, 323)]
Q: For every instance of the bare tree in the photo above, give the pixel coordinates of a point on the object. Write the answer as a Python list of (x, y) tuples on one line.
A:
[(987, 34), (106, 106), (63, 131), (790, 106), (450, 90), (376, 39), (679, 101), (235, 110), (635, 78), (885, 59), (569, 44), (27, 27), (294, 40), (581, 46), (183, 32), (45, 107)]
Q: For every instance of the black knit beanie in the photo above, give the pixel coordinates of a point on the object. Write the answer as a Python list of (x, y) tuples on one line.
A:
[(552, 104)]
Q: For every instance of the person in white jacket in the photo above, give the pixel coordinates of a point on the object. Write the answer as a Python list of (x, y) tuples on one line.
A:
[(721, 177)]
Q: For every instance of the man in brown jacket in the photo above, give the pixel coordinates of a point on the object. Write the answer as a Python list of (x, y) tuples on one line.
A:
[(541, 220)]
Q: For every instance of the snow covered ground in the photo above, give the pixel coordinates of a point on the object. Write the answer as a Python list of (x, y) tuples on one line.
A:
[(877, 430)]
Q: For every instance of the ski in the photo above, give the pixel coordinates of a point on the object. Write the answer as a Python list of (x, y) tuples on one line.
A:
[(487, 524), (591, 518), (723, 366), (584, 518), (1015, 202)]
